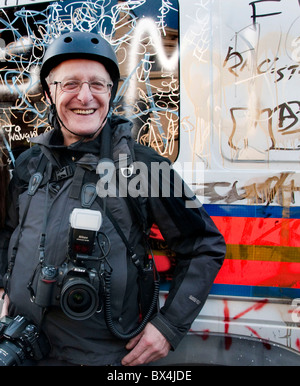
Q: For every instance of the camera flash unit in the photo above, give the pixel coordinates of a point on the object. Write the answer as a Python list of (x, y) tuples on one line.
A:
[(85, 223)]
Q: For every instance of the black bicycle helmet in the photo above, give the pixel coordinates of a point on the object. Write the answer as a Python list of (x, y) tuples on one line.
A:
[(80, 45)]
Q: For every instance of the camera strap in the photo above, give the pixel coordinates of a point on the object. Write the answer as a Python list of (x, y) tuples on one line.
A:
[(33, 185), (136, 261), (42, 243)]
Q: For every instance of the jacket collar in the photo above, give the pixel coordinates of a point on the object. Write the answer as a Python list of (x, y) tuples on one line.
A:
[(53, 140)]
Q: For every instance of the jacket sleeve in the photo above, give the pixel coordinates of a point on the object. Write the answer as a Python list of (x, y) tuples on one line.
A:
[(200, 250)]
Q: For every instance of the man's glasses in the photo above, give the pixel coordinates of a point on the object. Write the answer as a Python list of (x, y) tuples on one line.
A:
[(74, 86)]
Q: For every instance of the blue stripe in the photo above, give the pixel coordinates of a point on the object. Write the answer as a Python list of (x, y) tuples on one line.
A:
[(247, 291), (255, 291), (269, 211)]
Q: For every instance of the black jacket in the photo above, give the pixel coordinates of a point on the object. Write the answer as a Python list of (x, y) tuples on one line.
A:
[(187, 229)]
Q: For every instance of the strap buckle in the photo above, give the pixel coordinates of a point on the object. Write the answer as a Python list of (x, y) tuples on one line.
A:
[(63, 173)]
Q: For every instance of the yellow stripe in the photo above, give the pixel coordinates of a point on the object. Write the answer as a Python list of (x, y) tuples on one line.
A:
[(253, 252), (263, 253)]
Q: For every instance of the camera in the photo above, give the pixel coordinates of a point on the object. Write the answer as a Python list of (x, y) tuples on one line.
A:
[(20, 340), (73, 286), (75, 289)]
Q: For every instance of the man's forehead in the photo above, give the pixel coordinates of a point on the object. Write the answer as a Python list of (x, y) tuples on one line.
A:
[(74, 67)]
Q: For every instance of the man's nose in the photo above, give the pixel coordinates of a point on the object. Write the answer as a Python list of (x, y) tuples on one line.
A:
[(85, 94)]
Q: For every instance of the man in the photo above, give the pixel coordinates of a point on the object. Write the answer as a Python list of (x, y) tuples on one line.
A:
[(80, 77)]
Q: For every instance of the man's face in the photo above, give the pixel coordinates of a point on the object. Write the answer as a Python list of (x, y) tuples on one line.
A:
[(83, 112)]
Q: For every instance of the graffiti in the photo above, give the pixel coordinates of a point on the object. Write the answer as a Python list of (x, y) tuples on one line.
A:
[(146, 48), (236, 64), (276, 189), (286, 122), (256, 308), (249, 312), (260, 67), (255, 15)]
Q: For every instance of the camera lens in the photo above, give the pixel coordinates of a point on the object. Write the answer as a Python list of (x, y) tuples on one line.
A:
[(11, 354), (79, 299)]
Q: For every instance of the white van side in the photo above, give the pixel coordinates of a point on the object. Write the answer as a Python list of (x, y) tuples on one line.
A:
[(239, 100)]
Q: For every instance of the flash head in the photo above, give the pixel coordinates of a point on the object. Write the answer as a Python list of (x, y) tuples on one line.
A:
[(86, 219), (84, 225)]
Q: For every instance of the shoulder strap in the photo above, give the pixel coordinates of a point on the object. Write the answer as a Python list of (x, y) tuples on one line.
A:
[(34, 183), (132, 255)]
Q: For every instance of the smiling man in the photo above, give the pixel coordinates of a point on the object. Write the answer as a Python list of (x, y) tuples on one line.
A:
[(81, 90), (78, 264)]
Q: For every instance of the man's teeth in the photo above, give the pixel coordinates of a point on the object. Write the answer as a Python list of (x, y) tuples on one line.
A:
[(84, 112)]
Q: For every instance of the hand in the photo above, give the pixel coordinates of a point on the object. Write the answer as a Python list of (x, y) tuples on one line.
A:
[(4, 310), (150, 345)]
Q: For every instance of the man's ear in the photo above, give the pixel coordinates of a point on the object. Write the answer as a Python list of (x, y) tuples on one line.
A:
[(48, 96)]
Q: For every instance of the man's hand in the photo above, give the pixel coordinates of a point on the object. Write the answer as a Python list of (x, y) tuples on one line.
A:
[(4, 310), (150, 345)]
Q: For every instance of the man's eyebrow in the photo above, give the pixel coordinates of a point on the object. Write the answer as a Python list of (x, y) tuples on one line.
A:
[(90, 79), (70, 77), (100, 78)]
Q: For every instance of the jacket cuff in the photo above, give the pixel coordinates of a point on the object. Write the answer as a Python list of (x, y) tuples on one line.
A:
[(171, 333)]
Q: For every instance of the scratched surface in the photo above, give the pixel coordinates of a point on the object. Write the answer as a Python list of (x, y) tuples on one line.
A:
[(242, 76), (261, 81), (145, 39)]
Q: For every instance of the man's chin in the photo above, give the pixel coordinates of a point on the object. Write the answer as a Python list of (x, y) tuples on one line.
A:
[(74, 135), (86, 131), (88, 134)]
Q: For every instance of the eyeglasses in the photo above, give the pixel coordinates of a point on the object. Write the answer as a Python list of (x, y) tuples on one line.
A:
[(73, 86)]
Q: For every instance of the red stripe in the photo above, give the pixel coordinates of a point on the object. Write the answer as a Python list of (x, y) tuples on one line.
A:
[(269, 264), (259, 231), (259, 273)]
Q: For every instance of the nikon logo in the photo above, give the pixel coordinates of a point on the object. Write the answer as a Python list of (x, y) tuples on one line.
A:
[(82, 237)]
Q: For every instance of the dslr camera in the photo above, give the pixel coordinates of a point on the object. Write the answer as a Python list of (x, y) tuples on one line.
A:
[(20, 340), (73, 286)]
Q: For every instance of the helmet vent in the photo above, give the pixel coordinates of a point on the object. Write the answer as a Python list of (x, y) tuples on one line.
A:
[(68, 39), (95, 41)]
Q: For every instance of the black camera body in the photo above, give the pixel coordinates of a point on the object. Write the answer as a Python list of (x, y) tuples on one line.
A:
[(20, 340), (72, 287)]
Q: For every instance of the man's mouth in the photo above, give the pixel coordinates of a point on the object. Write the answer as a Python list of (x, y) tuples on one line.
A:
[(83, 112)]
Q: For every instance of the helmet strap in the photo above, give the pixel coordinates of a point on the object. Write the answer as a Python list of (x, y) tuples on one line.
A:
[(52, 117)]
